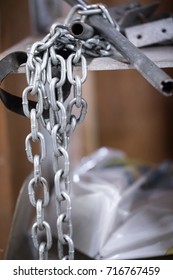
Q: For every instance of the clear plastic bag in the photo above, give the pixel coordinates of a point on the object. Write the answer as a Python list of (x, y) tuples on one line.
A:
[(122, 209)]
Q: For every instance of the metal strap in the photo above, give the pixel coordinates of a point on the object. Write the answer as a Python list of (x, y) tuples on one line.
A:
[(10, 64)]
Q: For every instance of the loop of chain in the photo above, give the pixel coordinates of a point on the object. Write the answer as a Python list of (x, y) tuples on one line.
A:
[(37, 169), (82, 112), (99, 9), (48, 234), (34, 125), (32, 191), (28, 148), (40, 214), (39, 104), (70, 66), (43, 251)]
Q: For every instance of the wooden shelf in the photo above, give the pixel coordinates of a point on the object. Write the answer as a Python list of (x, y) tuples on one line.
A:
[(161, 55)]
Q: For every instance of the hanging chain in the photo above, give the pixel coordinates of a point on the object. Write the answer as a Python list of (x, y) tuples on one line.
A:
[(50, 72)]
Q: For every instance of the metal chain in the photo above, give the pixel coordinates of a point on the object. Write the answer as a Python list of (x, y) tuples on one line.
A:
[(38, 187), (93, 9), (47, 87)]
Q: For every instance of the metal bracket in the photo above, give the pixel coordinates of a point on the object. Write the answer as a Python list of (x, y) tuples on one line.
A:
[(151, 33), (132, 13)]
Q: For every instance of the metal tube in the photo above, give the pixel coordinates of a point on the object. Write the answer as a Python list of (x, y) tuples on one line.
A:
[(81, 30), (147, 68)]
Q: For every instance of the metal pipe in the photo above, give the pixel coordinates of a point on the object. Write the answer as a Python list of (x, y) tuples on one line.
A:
[(81, 30), (147, 68)]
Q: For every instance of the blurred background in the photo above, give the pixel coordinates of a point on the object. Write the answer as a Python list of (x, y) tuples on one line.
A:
[(125, 112)]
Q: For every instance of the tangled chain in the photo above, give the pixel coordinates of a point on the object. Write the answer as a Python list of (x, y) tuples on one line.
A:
[(50, 72)]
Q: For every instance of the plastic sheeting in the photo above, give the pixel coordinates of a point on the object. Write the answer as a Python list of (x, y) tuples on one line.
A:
[(122, 209)]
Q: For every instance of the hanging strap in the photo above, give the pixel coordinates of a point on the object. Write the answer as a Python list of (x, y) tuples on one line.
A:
[(9, 64)]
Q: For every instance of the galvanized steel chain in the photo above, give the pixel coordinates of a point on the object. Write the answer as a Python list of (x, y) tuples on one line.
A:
[(38, 186), (48, 72)]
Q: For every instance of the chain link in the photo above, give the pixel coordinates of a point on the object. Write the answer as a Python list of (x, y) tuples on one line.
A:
[(48, 72)]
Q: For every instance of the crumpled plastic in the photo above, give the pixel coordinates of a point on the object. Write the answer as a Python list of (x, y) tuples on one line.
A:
[(122, 209)]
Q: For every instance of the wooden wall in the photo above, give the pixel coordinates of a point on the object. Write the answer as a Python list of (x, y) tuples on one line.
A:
[(14, 26)]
